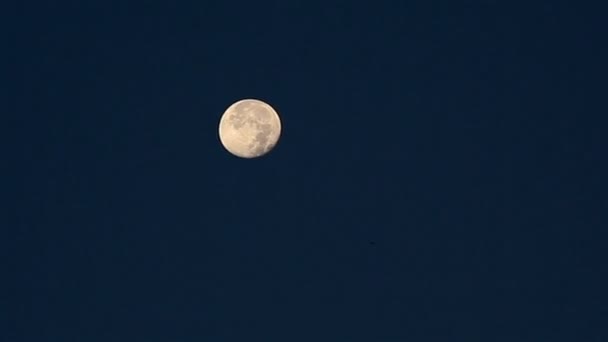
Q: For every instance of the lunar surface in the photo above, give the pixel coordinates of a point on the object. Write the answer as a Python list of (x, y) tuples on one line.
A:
[(249, 128)]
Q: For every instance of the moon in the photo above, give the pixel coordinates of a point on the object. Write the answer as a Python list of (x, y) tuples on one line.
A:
[(249, 128)]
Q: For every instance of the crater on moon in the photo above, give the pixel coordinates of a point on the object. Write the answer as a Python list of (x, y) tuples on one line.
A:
[(249, 128)]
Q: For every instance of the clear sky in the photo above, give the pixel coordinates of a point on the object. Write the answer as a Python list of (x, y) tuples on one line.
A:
[(440, 175)]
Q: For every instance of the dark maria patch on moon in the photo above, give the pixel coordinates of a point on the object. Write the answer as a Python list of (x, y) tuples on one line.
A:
[(237, 119), (264, 134)]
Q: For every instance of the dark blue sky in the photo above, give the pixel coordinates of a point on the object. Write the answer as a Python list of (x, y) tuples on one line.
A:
[(440, 177)]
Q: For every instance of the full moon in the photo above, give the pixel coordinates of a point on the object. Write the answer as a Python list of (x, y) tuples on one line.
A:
[(249, 128)]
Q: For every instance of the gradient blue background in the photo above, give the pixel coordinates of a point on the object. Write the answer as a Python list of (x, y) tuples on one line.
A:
[(441, 174)]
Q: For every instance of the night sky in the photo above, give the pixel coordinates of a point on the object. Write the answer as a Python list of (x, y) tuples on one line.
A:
[(440, 174)]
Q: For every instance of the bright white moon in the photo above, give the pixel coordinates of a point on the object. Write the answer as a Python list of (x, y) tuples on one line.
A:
[(249, 128)]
